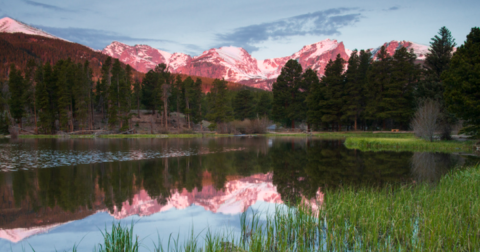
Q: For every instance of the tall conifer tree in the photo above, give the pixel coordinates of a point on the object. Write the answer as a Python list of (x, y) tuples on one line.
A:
[(16, 86), (462, 83), (334, 81), (431, 86), (286, 89), (243, 105), (378, 77)]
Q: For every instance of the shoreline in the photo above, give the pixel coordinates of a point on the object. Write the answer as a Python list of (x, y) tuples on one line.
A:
[(364, 141)]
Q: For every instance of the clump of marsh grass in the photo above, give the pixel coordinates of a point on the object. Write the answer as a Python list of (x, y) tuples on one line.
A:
[(119, 239)]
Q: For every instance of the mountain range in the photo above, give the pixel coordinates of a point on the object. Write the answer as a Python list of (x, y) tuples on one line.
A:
[(234, 64)]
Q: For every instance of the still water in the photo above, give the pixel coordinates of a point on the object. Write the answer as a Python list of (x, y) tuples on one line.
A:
[(59, 192)]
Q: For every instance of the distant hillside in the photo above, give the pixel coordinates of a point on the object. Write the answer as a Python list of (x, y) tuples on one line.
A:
[(18, 48)]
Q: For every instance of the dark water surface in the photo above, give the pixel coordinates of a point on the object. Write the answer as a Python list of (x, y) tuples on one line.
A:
[(58, 192)]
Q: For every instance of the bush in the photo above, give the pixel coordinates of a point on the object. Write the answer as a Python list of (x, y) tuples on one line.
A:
[(425, 120), (256, 126)]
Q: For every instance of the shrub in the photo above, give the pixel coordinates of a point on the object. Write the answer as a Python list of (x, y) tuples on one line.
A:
[(425, 120)]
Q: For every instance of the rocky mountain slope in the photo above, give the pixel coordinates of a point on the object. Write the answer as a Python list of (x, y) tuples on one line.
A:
[(237, 65)]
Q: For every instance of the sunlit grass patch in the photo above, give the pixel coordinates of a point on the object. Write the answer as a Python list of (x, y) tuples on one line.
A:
[(408, 144)]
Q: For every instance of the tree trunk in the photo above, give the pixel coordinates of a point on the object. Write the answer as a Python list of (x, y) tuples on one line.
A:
[(138, 108), (35, 115), (151, 124), (293, 124), (355, 126), (165, 109)]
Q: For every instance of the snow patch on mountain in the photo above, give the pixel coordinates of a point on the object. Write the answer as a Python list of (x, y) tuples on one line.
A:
[(9, 25)]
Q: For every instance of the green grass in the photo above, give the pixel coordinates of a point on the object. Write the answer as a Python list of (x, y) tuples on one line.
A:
[(119, 239), (340, 135), (407, 144)]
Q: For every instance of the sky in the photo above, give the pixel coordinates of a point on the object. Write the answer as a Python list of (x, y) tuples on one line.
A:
[(265, 28)]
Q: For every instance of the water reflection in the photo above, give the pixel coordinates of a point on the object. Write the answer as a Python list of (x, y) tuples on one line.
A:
[(223, 176)]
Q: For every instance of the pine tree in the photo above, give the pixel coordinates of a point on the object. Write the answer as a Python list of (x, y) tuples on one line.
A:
[(124, 96), (137, 95), (355, 79), (103, 87), (29, 96), (243, 105), (80, 94), (462, 83), (187, 88), (46, 93), (378, 77), (314, 96), (264, 105), (398, 96), (148, 90), (431, 86), (3, 115), (117, 79), (220, 109), (87, 72), (16, 86), (285, 91), (332, 106), (196, 101)]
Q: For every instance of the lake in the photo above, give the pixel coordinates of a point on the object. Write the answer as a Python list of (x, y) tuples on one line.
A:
[(59, 192)]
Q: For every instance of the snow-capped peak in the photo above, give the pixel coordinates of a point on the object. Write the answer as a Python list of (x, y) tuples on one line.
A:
[(231, 54), (9, 25)]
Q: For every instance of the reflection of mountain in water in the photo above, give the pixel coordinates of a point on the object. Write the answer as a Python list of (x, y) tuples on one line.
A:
[(237, 195), (290, 170)]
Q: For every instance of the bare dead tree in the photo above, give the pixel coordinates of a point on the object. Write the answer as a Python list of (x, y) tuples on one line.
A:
[(424, 122)]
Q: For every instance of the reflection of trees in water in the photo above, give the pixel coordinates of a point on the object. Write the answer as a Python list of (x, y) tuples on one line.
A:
[(109, 185), (430, 167), (299, 167)]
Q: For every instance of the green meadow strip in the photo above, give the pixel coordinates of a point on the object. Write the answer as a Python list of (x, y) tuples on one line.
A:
[(340, 135), (408, 144)]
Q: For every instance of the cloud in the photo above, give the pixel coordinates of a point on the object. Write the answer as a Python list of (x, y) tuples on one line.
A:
[(327, 22), (394, 8), (96, 39), (46, 6)]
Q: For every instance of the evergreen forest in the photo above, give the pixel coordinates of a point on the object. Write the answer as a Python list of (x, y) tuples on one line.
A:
[(370, 91)]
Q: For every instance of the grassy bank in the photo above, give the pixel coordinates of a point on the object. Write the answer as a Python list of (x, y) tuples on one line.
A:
[(406, 144), (418, 217), (340, 135)]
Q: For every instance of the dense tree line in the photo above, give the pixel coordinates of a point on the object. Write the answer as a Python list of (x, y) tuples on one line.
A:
[(65, 97), (382, 90)]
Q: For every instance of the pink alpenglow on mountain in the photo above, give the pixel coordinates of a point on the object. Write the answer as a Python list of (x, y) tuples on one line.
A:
[(392, 46), (9, 25), (231, 63)]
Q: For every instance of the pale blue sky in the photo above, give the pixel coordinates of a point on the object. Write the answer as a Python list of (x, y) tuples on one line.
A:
[(267, 29)]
